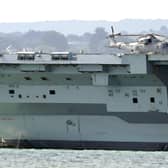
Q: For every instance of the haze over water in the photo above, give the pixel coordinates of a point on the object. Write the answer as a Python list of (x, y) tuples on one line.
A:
[(31, 158)]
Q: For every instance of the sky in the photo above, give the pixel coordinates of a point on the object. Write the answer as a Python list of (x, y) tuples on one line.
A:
[(52, 10)]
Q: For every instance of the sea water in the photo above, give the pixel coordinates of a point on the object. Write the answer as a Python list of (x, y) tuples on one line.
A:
[(32, 158)]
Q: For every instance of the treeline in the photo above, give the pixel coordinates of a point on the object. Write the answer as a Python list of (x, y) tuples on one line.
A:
[(55, 41), (33, 40)]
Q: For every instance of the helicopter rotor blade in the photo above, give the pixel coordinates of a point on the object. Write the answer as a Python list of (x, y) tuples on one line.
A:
[(112, 30), (112, 35), (127, 35)]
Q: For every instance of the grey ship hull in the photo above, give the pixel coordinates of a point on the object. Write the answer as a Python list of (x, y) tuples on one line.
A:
[(83, 126), (98, 101)]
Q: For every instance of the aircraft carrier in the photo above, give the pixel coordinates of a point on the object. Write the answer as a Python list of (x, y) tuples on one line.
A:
[(66, 100)]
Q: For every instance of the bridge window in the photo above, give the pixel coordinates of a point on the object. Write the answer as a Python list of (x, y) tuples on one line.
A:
[(26, 56)]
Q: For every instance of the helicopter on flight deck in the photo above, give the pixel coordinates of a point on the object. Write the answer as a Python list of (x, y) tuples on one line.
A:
[(145, 43)]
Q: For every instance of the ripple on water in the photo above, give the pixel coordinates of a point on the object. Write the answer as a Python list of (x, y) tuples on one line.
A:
[(23, 158)]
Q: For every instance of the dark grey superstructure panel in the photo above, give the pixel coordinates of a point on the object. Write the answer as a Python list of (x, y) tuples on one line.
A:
[(161, 72), (134, 80), (80, 109)]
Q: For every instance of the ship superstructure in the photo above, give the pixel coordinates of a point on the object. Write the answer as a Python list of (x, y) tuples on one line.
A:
[(67, 100)]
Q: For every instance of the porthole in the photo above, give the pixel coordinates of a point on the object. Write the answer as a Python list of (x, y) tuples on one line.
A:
[(135, 100), (52, 92), (27, 78), (152, 100), (11, 91), (43, 78), (68, 79), (20, 96), (44, 96)]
